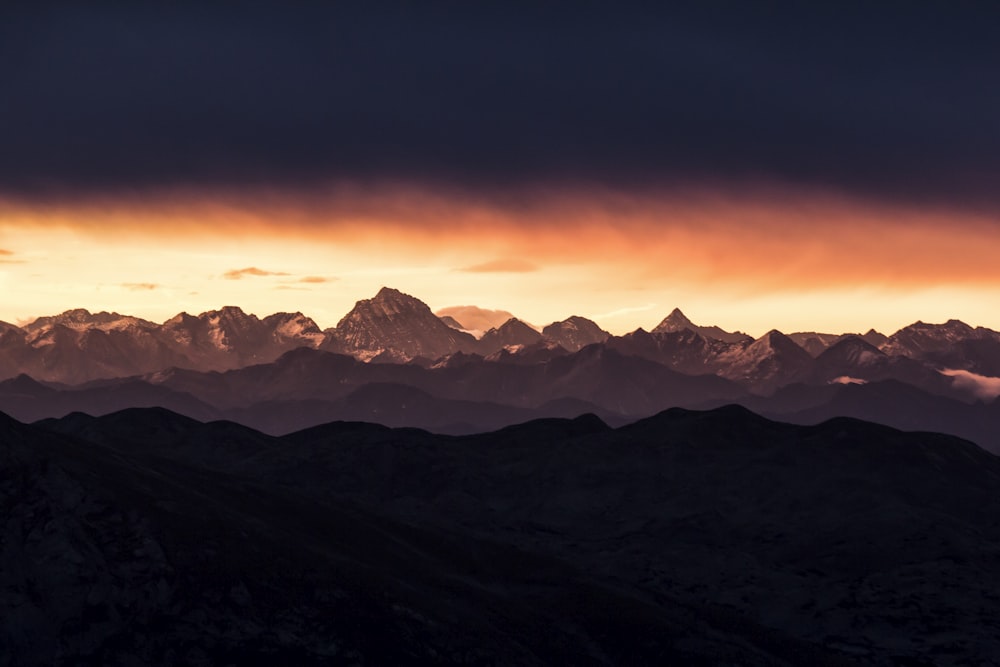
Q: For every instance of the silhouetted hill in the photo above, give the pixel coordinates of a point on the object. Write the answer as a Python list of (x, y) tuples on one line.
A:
[(711, 538)]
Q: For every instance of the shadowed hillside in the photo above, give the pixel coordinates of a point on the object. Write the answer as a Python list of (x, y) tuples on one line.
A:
[(688, 538)]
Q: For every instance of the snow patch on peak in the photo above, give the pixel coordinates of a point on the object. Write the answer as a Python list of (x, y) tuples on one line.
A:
[(215, 333), (847, 379)]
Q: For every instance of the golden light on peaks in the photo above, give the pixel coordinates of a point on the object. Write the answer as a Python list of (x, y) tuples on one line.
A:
[(791, 260)]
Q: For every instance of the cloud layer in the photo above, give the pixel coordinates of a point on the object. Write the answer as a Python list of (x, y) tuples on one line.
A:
[(239, 274), (871, 100)]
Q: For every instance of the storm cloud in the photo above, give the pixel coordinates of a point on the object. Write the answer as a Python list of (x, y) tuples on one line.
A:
[(871, 100)]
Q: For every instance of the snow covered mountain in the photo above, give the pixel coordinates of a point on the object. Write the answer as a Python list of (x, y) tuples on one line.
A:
[(771, 361), (230, 338), (393, 326), (78, 346), (920, 339)]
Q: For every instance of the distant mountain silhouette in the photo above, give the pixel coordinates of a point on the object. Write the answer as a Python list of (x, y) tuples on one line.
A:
[(147, 537), (575, 333), (282, 373), (511, 333), (78, 346), (677, 321), (452, 322)]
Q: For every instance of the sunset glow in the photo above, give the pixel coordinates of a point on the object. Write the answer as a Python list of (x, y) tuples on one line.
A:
[(793, 261), (737, 163)]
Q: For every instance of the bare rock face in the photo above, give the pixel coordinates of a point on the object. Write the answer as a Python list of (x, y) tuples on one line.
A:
[(678, 321), (78, 346), (512, 333), (771, 361), (575, 333), (398, 325), (920, 339)]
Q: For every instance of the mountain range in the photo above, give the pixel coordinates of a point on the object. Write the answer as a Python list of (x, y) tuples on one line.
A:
[(391, 360), (690, 537)]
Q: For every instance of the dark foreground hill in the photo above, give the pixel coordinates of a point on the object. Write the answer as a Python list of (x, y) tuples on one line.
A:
[(711, 538)]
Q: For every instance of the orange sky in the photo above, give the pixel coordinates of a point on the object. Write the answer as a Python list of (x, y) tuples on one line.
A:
[(749, 260)]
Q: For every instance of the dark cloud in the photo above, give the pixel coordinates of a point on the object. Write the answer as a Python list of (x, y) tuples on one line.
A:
[(502, 266), (887, 99), (239, 274), (315, 279)]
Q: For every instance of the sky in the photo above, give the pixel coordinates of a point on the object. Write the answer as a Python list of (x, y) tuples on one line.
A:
[(759, 165)]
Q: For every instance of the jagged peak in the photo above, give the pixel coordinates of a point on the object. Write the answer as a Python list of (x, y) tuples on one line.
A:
[(229, 312), (179, 318), (775, 338), (514, 323), (390, 301), (675, 321), (390, 295), (81, 318), (853, 341)]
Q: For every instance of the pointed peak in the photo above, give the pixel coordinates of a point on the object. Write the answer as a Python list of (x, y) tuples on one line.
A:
[(774, 335), (224, 310), (392, 300), (513, 323), (675, 321), (390, 293)]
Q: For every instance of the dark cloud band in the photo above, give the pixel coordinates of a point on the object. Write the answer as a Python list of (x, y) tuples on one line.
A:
[(879, 101)]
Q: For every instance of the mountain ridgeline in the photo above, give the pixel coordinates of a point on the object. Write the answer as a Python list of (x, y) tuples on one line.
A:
[(391, 360), (690, 538)]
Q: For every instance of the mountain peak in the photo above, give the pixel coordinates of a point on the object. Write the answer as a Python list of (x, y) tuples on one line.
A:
[(678, 321), (389, 301), (678, 316), (575, 333), (397, 322), (392, 295), (511, 333), (81, 318), (675, 321)]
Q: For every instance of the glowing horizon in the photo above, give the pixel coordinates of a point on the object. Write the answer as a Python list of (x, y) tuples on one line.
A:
[(746, 260)]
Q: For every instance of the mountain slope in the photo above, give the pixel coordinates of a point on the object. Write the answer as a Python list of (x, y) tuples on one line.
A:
[(575, 333), (676, 321), (551, 542), (398, 326), (150, 554)]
